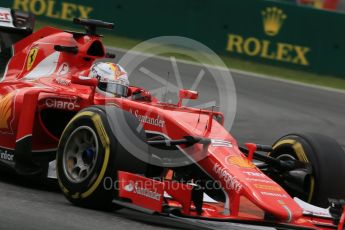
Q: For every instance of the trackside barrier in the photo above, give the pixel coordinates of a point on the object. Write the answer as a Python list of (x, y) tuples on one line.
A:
[(263, 31)]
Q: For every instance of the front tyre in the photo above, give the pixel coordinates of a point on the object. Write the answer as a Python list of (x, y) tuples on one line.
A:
[(327, 160), (89, 156)]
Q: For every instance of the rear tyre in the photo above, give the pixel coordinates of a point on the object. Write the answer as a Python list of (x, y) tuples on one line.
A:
[(327, 160), (89, 156)]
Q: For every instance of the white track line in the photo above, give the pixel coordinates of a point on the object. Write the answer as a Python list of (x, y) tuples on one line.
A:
[(247, 73)]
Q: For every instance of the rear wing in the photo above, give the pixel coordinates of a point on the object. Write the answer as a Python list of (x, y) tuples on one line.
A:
[(13, 21), (14, 26)]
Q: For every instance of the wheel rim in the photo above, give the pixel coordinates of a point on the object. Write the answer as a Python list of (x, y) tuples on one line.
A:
[(80, 154)]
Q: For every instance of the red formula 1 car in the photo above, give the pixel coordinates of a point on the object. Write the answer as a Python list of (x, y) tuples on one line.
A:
[(137, 152)]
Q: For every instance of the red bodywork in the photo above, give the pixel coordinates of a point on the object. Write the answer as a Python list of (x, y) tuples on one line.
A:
[(41, 82)]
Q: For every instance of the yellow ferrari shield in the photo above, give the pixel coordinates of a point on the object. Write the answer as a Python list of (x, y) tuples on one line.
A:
[(31, 58)]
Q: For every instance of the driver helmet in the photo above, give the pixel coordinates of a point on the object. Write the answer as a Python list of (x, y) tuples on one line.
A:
[(112, 79)]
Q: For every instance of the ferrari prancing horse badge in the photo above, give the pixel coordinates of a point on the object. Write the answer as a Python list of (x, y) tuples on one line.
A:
[(31, 58)]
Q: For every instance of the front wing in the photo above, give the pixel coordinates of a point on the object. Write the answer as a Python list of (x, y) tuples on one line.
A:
[(188, 203)]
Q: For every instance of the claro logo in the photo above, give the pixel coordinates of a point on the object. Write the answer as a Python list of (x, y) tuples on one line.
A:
[(273, 20), (53, 9), (58, 104)]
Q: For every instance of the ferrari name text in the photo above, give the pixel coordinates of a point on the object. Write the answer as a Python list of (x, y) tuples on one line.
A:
[(221, 143), (4, 155), (142, 191), (57, 104), (157, 121), (231, 182)]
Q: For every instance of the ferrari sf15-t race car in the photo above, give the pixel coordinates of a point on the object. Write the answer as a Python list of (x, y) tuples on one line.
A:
[(122, 151)]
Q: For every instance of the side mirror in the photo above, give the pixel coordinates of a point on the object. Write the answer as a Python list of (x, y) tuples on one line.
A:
[(81, 80), (187, 94)]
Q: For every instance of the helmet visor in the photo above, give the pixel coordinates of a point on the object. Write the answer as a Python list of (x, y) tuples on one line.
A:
[(116, 89)]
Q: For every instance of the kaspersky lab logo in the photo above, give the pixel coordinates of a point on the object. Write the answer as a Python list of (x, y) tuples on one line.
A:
[(273, 21)]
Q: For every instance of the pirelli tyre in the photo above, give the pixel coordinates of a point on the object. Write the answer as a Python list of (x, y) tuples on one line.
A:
[(326, 158), (90, 154)]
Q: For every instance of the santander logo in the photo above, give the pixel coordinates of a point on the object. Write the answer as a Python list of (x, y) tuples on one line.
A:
[(135, 188)]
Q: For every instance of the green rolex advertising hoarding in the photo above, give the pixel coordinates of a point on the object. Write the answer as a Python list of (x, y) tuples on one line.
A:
[(261, 31)]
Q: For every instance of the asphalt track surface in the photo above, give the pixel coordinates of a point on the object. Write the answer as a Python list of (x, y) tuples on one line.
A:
[(266, 110)]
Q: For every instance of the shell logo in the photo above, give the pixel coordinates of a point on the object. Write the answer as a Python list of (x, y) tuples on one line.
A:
[(268, 187), (240, 162), (5, 110)]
